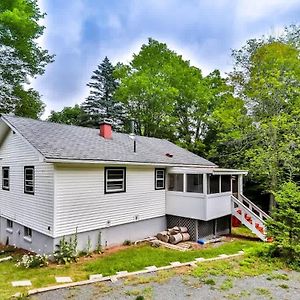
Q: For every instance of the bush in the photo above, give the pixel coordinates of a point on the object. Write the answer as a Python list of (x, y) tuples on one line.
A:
[(284, 226), (127, 243), (67, 251), (33, 261)]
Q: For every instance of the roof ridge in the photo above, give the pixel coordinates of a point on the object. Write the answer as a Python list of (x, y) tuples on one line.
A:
[(78, 126)]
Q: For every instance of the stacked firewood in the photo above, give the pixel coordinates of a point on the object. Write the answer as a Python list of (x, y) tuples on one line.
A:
[(174, 235)]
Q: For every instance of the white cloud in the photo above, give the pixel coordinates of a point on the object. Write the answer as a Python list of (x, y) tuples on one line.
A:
[(257, 9)]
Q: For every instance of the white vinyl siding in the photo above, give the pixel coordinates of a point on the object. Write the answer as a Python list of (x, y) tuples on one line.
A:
[(80, 200), (34, 211)]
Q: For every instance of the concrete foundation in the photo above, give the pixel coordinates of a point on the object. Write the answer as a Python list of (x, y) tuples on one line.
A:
[(106, 237)]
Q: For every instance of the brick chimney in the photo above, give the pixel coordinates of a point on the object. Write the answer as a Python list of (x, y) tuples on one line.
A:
[(106, 129)]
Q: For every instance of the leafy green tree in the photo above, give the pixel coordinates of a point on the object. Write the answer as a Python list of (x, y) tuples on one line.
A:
[(284, 226), (101, 102), (69, 115), (226, 124), (30, 104), (267, 77), (164, 95), (19, 30)]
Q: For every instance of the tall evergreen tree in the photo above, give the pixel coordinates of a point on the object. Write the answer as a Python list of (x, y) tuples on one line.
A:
[(101, 102)]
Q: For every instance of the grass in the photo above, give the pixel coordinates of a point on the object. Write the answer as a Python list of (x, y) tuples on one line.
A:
[(226, 285), (238, 267), (136, 258), (131, 259), (145, 293)]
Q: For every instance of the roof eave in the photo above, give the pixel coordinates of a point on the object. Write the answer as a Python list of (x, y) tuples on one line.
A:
[(114, 162)]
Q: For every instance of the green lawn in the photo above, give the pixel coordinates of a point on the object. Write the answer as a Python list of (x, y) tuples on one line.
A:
[(130, 259)]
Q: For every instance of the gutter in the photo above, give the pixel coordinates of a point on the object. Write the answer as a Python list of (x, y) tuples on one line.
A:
[(109, 162)]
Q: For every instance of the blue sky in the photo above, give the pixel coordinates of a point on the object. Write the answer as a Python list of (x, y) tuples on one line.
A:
[(82, 32)]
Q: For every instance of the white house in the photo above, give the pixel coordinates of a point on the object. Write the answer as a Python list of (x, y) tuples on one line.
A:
[(108, 186)]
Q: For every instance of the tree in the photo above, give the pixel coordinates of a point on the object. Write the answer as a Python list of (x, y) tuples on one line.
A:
[(69, 115), (266, 76), (101, 102), (164, 95), (226, 124), (284, 226), (10, 75), (19, 30), (30, 104)]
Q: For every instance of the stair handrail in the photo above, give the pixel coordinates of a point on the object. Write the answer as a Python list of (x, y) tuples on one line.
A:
[(245, 209), (262, 214), (240, 203)]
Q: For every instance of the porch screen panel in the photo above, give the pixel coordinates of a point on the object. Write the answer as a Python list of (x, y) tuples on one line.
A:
[(225, 183), (194, 183), (214, 184), (175, 182)]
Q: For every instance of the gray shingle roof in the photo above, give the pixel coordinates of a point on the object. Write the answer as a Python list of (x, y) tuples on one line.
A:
[(59, 141)]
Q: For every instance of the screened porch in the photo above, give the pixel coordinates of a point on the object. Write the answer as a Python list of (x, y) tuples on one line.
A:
[(200, 193)]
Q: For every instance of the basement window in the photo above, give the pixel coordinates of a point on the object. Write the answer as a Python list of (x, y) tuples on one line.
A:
[(115, 180), (175, 182), (9, 226), (159, 179), (194, 183), (5, 178), (29, 180), (27, 234)]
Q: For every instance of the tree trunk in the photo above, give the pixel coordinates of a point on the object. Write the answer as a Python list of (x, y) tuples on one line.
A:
[(272, 202), (185, 236), (163, 236), (175, 239)]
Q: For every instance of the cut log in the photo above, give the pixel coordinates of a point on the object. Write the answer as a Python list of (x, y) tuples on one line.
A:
[(183, 229), (175, 239), (163, 236), (185, 236), (173, 230)]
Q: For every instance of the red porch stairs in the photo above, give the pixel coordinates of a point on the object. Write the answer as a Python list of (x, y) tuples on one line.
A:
[(250, 215)]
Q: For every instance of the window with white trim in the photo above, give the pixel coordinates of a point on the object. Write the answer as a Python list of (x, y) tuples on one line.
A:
[(115, 180), (5, 178), (9, 224), (29, 180), (159, 179), (27, 232)]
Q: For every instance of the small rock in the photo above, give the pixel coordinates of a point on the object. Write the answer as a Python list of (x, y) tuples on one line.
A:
[(199, 259), (63, 279), (113, 279), (151, 268), (175, 264), (21, 283), (96, 276), (122, 273)]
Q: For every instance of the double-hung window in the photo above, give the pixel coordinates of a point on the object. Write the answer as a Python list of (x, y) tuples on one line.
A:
[(159, 179), (5, 178), (115, 180), (29, 180)]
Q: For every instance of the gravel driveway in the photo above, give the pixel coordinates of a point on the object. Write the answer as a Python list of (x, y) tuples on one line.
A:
[(175, 285)]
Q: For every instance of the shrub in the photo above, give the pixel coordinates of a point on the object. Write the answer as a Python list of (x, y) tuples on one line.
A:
[(67, 251), (284, 226), (127, 243), (33, 261)]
